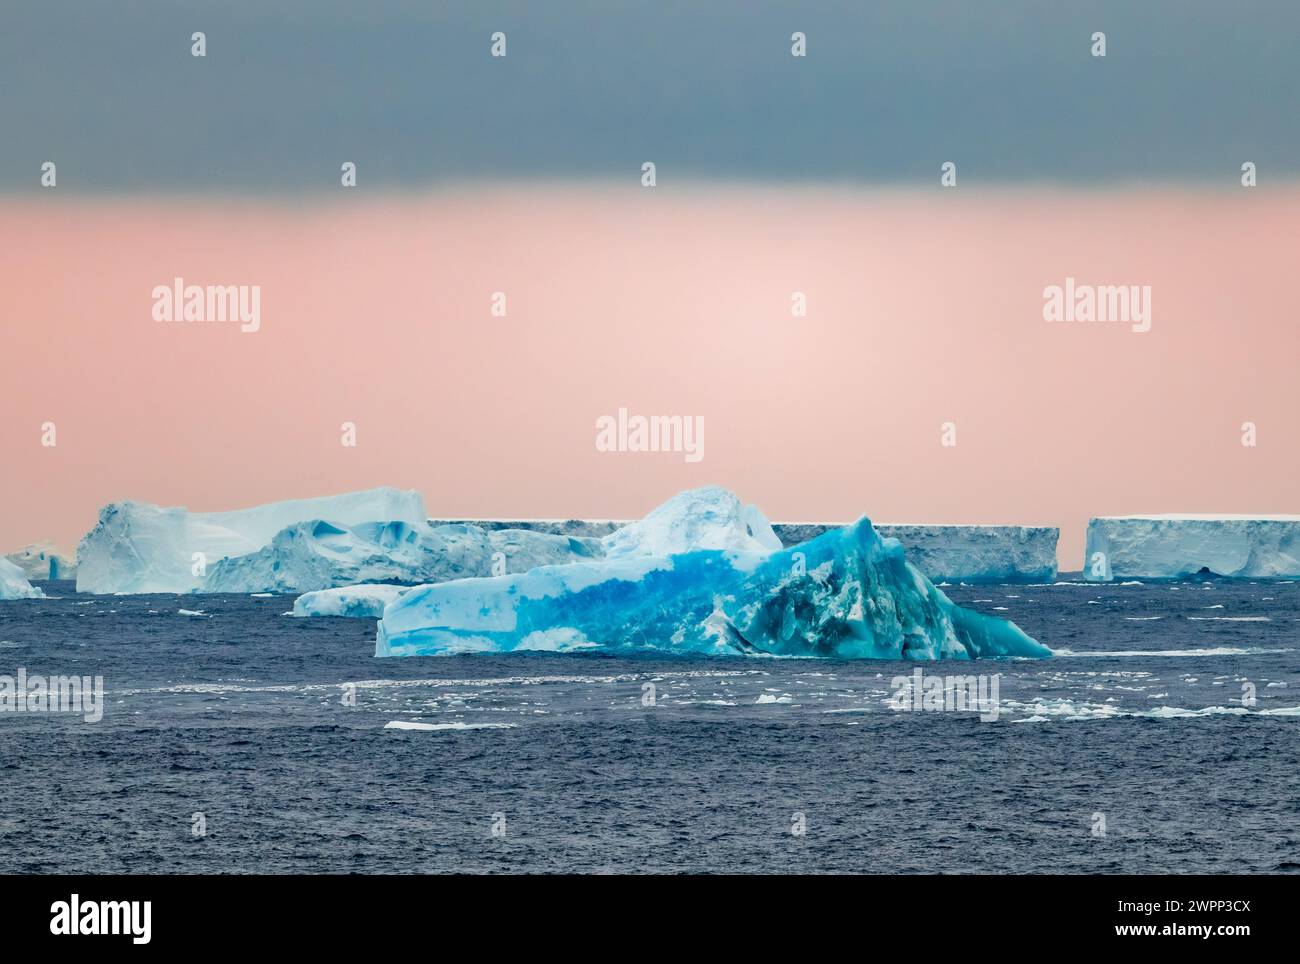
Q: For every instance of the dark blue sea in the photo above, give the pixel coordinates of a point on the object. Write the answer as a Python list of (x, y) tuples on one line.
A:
[(1137, 749)]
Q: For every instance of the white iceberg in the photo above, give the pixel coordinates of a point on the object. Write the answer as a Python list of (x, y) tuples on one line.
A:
[(355, 601), (14, 585), (705, 518), (141, 548), (983, 554), (1174, 546), (318, 555), (945, 553), (42, 560), (961, 553)]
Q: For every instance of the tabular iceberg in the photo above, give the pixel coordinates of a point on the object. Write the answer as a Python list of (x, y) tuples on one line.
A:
[(1171, 546), (963, 553), (709, 517), (318, 555), (14, 585), (970, 553), (954, 553), (140, 548), (43, 561), (846, 594)]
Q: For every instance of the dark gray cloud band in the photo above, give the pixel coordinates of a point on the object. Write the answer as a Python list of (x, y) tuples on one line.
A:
[(1189, 90)]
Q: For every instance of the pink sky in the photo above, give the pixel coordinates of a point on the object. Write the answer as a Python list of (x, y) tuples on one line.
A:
[(924, 307)]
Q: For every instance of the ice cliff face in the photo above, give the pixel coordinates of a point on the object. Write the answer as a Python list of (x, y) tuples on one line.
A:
[(14, 585), (1170, 546), (322, 555), (945, 553), (963, 553), (847, 593), (43, 561), (140, 548)]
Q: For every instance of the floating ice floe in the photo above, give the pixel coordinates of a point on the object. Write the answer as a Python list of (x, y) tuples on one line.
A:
[(357, 601), (1208, 651)]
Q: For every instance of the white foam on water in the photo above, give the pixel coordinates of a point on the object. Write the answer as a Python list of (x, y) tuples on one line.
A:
[(1043, 711), (1210, 651), (457, 725), (370, 684)]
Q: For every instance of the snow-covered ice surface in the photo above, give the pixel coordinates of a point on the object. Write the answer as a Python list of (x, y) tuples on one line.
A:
[(355, 601), (319, 555), (141, 548), (43, 560), (1173, 546), (376, 536), (945, 553), (14, 583), (705, 518), (323, 555), (845, 594)]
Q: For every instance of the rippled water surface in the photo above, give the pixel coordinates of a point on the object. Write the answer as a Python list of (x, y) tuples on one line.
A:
[(304, 753)]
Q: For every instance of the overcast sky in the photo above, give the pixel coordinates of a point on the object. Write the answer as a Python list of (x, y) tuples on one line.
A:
[(1189, 90)]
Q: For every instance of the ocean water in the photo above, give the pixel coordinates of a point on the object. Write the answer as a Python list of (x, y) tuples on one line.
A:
[(225, 714)]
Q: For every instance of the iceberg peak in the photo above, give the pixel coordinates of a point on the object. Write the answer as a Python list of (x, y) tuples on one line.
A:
[(709, 517)]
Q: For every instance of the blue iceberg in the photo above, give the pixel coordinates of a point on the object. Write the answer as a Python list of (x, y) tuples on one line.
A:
[(847, 594)]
